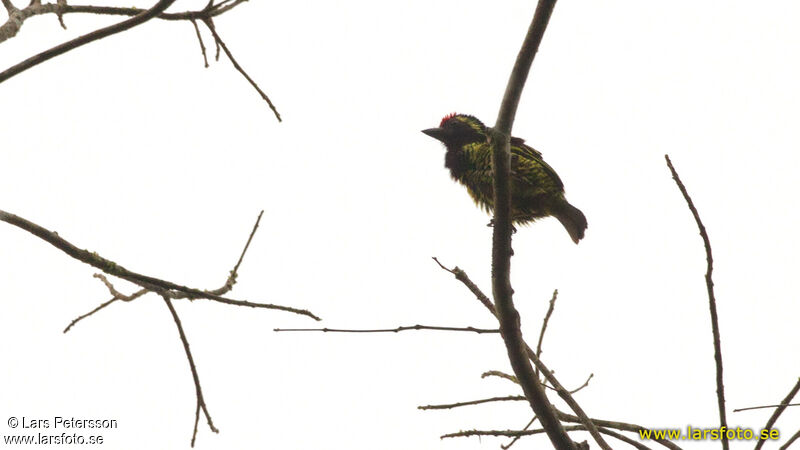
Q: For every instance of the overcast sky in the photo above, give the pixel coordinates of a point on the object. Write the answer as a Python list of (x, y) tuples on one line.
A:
[(130, 148)]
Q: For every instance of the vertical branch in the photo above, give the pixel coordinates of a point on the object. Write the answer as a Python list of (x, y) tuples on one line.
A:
[(712, 301), (502, 291), (201, 402), (544, 326)]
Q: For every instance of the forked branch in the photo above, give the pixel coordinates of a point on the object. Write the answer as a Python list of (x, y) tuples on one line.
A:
[(16, 17), (160, 286), (126, 24)]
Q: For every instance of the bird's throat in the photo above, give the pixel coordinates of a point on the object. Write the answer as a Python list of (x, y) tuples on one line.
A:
[(456, 161)]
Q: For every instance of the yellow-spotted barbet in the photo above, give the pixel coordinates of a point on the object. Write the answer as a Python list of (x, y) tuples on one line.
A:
[(536, 189)]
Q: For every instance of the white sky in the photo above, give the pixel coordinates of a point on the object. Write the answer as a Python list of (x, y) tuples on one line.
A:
[(130, 148)]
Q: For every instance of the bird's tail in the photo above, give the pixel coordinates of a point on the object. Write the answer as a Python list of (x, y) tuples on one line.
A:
[(573, 220)]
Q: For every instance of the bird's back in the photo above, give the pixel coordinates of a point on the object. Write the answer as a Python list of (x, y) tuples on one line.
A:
[(533, 180)]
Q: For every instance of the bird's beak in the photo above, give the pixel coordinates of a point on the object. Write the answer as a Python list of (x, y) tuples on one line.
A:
[(436, 133)]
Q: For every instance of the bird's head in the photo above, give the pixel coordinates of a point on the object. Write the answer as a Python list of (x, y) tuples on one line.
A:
[(455, 130)]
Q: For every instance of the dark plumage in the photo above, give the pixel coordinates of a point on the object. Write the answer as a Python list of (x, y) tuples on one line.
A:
[(536, 189)]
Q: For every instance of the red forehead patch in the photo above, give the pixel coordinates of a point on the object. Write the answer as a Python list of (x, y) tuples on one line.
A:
[(446, 118)]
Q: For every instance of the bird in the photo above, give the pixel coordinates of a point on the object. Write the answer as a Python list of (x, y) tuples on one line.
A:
[(536, 189)]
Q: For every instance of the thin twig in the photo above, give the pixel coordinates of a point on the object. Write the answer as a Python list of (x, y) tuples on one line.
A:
[(116, 295), (585, 383), (548, 374), (516, 438), (464, 279), (512, 378), (474, 402), (520, 433), (750, 408), (61, 8), (499, 374), (393, 330), (163, 287), (622, 426), (114, 292), (16, 17), (102, 305), (200, 40), (503, 433), (224, 6), (126, 24), (235, 272), (624, 439), (201, 403), (791, 440), (220, 43), (712, 301), (777, 413), (544, 326)]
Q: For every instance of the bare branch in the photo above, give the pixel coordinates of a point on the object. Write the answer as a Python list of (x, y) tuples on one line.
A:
[(516, 434), (791, 440), (393, 330), (506, 433), (499, 374), (624, 439), (585, 383), (224, 6), (202, 45), (201, 403), (544, 326), (138, 16), (235, 272), (507, 315), (602, 426), (114, 292), (116, 295), (127, 24), (622, 426), (473, 402), (220, 43), (777, 413), (549, 376), (60, 8), (464, 279), (516, 438), (765, 407), (163, 287), (712, 301), (10, 8), (102, 305)]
